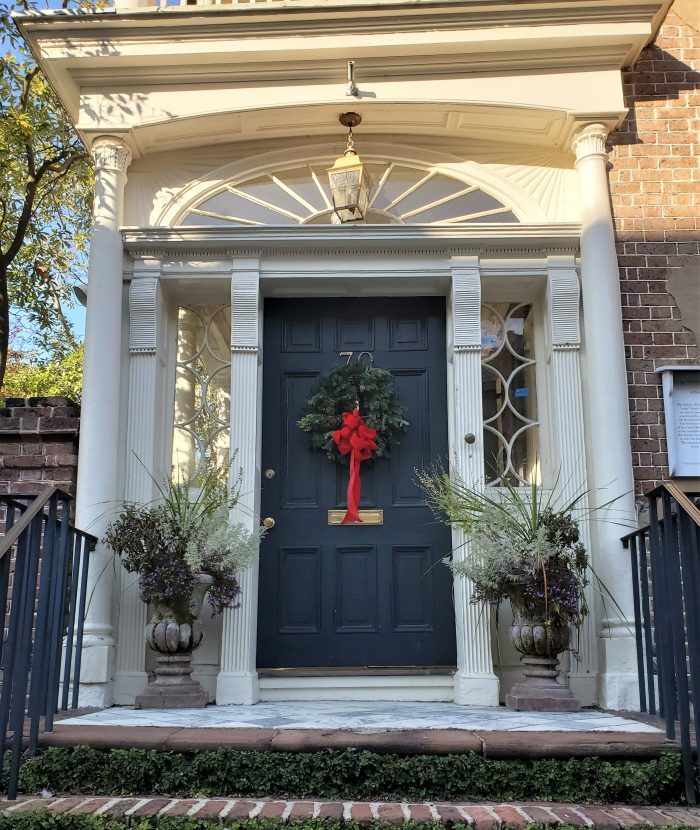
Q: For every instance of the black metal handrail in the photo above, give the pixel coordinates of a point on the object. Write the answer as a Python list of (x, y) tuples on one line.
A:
[(41, 655), (666, 593)]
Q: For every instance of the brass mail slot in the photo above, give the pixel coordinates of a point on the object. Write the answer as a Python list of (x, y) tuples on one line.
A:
[(369, 517)]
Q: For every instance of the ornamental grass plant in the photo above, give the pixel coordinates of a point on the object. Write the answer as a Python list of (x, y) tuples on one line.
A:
[(187, 531), (524, 545)]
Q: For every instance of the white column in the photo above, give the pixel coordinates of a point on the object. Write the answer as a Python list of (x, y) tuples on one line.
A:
[(98, 468), (607, 421), (238, 679), (475, 681), (564, 341), (143, 461)]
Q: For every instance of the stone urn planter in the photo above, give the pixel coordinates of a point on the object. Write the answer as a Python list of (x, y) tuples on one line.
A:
[(175, 632), (540, 643)]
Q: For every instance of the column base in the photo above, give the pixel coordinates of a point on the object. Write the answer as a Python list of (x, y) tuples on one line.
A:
[(476, 689), (173, 687), (237, 688), (585, 688), (127, 685), (95, 695), (618, 681), (96, 685), (541, 691)]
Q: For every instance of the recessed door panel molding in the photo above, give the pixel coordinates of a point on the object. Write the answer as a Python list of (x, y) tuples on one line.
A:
[(412, 588), (356, 608), (408, 334), (300, 472), (299, 585), (355, 333), (413, 450), (301, 336)]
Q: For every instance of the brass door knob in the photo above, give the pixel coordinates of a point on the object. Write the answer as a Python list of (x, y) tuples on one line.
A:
[(269, 522)]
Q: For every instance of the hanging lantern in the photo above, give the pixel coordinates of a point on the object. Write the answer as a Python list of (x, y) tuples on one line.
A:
[(348, 180)]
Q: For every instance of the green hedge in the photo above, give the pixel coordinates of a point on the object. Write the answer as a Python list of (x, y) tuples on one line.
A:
[(364, 776)]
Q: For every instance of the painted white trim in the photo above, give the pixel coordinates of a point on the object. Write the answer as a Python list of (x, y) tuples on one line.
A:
[(286, 265), (495, 238), (327, 687), (564, 384), (145, 412), (237, 681), (475, 681)]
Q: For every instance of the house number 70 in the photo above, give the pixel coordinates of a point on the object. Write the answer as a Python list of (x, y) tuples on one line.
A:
[(359, 357)]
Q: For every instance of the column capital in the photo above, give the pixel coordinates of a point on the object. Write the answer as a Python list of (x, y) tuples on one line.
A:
[(111, 153), (590, 142)]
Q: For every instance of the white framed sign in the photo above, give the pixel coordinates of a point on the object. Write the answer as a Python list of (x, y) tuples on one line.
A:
[(681, 385)]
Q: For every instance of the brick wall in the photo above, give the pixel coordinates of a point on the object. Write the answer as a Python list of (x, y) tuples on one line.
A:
[(655, 186), (38, 445)]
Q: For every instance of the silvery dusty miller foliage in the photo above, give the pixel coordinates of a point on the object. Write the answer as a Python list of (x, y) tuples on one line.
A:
[(189, 531), (518, 541)]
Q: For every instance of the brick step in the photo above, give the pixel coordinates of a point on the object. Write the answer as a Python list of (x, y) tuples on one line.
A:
[(489, 743), (479, 816)]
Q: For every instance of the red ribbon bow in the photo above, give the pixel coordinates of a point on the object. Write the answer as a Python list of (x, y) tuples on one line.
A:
[(356, 438)]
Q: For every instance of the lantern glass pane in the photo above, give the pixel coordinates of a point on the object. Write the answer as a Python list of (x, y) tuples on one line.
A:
[(350, 192)]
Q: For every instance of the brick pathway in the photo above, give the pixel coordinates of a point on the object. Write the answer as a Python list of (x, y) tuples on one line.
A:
[(480, 816)]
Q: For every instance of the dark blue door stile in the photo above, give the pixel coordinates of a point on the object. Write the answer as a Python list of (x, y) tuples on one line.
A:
[(353, 596)]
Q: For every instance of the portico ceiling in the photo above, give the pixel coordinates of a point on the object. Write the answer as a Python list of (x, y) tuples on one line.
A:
[(526, 72), (491, 123)]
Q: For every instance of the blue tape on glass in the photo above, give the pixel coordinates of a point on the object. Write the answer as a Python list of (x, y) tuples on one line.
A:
[(522, 393)]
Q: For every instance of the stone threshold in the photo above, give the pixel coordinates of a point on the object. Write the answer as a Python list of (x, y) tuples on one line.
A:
[(479, 816), (490, 744)]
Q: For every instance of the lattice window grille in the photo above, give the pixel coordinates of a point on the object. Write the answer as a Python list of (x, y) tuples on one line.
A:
[(201, 416), (511, 427)]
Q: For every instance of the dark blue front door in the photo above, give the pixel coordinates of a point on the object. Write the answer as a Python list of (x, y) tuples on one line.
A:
[(367, 596)]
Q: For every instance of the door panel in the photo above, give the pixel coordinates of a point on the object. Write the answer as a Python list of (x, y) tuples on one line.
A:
[(334, 596)]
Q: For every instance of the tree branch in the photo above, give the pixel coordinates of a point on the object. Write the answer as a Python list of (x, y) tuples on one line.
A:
[(65, 325), (66, 159), (26, 88), (23, 107), (22, 223), (61, 173)]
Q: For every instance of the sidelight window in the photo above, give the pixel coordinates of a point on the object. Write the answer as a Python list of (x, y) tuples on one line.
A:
[(201, 417), (508, 370)]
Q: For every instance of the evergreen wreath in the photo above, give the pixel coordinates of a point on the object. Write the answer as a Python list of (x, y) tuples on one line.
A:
[(345, 389)]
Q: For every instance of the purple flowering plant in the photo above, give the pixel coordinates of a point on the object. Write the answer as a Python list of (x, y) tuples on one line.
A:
[(521, 542), (187, 531)]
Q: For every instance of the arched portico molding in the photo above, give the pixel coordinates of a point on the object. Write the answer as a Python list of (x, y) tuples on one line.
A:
[(526, 209)]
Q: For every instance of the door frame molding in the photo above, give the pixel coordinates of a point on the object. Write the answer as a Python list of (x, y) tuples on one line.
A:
[(367, 262)]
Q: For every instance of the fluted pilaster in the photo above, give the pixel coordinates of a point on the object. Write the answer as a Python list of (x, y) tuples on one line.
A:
[(563, 295), (238, 681), (142, 462), (475, 681)]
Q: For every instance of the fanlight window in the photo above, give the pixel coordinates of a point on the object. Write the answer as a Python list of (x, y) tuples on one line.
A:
[(399, 194)]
